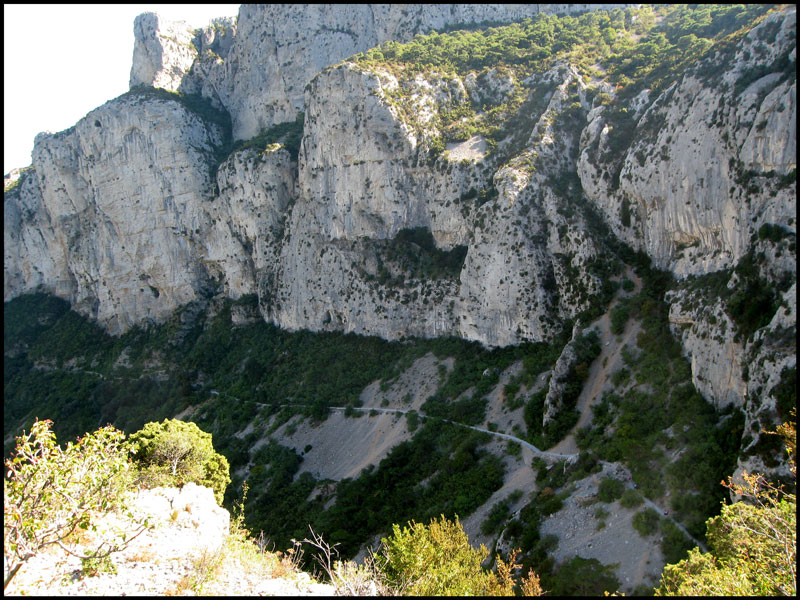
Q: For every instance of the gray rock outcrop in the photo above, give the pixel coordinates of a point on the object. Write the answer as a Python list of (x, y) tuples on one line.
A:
[(136, 210), (113, 214), (163, 52), (703, 171), (274, 50)]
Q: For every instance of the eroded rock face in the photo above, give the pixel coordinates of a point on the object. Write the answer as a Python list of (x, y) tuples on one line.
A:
[(359, 185), (707, 335), (365, 177), (128, 216), (248, 220), (163, 52), (273, 51), (113, 215), (706, 170), (703, 171)]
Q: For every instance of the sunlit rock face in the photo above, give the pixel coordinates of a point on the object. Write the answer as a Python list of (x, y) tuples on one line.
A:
[(112, 215), (137, 209), (163, 52), (259, 66)]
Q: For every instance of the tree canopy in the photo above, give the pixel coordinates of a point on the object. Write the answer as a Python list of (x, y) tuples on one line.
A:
[(177, 452), (753, 543), (50, 492)]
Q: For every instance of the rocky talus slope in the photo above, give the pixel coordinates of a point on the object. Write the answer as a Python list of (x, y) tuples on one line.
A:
[(186, 551)]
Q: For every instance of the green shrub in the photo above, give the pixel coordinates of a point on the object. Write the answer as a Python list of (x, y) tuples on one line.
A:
[(674, 544), (288, 134), (499, 513), (610, 489), (412, 420), (176, 452), (619, 316), (646, 522), (92, 567), (434, 560), (631, 499), (548, 502), (50, 493), (582, 577), (540, 467), (620, 376)]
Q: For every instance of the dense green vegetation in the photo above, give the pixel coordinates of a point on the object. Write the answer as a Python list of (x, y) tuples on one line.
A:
[(459, 476), (636, 48), (436, 560), (286, 134), (656, 410), (414, 251), (752, 297), (752, 543), (67, 367), (583, 577), (257, 370)]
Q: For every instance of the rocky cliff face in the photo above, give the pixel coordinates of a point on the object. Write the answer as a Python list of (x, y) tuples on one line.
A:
[(163, 52), (702, 172), (260, 72), (112, 213), (134, 211)]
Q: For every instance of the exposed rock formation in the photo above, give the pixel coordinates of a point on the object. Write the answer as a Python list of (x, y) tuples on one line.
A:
[(248, 219), (702, 173), (163, 52), (113, 214), (129, 214), (186, 539), (274, 50)]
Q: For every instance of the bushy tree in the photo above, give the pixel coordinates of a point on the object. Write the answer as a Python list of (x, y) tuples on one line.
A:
[(177, 452), (753, 543), (583, 577), (49, 493), (610, 489), (437, 560), (646, 522)]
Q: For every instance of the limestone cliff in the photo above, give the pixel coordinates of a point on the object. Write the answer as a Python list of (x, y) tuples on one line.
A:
[(145, 204), (112, 214), (273, 51), (163, 52), (703, 170)]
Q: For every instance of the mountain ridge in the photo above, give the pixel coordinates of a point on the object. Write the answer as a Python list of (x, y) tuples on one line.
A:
[(493, 185)]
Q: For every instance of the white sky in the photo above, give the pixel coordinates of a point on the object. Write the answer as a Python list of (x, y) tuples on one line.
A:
[(62, 61)]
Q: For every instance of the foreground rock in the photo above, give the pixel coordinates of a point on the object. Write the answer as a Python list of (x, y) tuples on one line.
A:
[(187, 551)]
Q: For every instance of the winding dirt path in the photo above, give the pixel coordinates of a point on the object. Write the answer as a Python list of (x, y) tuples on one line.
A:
[(607, 362), (547, 455), (553, 456)]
